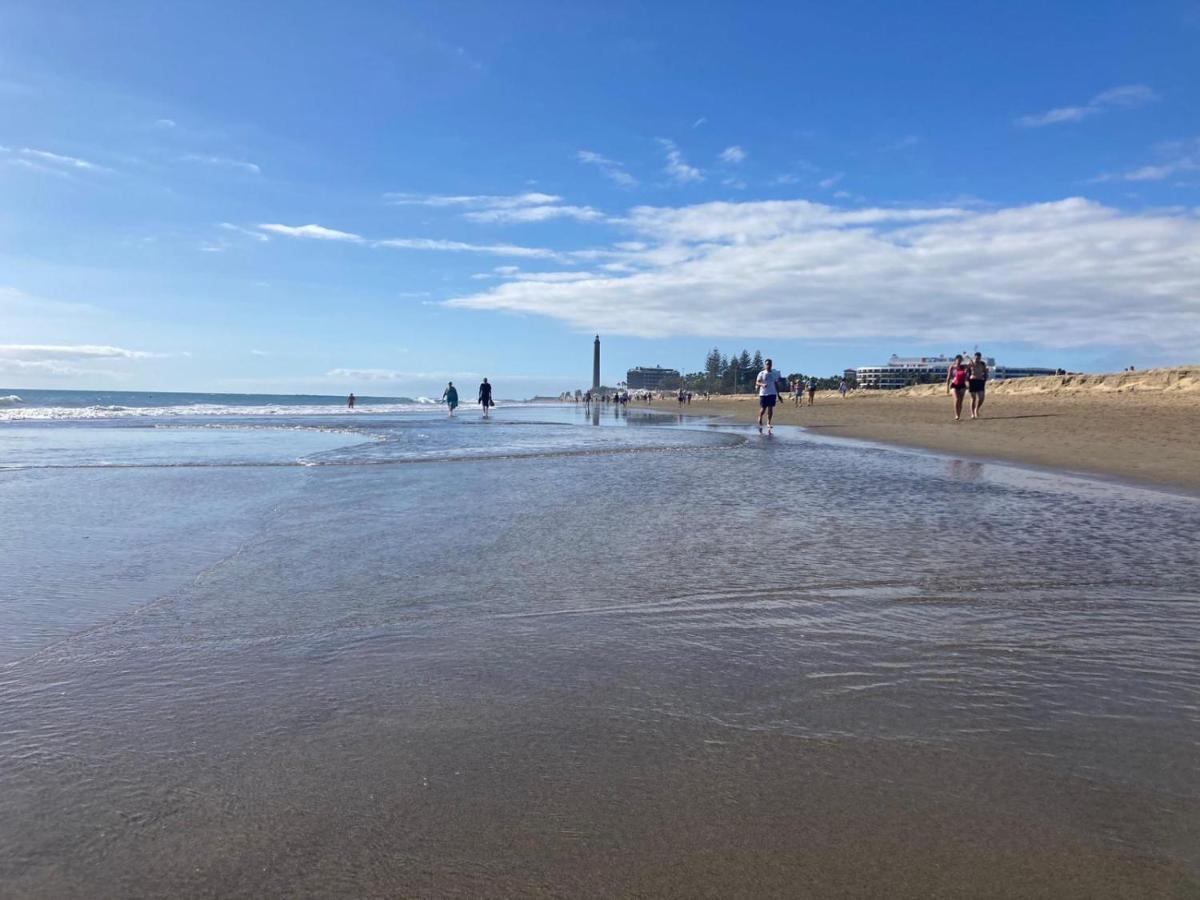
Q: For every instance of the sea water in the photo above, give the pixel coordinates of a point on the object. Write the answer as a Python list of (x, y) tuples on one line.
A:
[(580, 651)]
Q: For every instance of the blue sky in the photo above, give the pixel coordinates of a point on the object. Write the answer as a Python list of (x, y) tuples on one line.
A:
[(377, 197)]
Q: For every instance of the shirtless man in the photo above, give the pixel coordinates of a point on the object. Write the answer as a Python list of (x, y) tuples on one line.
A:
[(976, 383)]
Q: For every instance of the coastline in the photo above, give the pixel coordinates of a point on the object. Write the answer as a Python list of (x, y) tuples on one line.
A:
[(1143, 432)]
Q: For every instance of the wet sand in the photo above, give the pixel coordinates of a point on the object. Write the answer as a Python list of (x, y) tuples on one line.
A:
[(571, 673), (1147, 437)]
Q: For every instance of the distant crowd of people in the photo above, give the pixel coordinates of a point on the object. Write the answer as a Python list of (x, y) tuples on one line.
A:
[(966, 376)]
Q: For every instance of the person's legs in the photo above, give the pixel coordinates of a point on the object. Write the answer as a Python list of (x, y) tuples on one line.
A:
[(979, 400), (958, 399)]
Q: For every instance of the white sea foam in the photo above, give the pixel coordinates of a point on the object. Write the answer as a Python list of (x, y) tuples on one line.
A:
[(65, 413)]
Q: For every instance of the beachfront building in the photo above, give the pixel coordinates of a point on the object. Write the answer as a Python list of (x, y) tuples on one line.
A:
[(901, 371), (652, 378)]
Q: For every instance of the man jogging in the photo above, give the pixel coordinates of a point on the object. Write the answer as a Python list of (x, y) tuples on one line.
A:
[(767, 383)]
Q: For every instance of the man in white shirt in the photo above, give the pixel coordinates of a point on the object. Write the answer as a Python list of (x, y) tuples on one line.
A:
[(768, 391)]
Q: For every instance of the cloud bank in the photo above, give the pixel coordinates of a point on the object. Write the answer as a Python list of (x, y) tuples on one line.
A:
[(65, 359), (1067, 273)]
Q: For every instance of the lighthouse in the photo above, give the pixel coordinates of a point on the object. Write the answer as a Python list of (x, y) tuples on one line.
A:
[(596, 365)]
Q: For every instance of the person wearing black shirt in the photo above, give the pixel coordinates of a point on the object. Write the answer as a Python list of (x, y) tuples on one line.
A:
[(485, 397)]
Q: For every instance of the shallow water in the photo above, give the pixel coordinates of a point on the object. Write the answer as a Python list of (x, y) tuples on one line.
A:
[(553, 654)]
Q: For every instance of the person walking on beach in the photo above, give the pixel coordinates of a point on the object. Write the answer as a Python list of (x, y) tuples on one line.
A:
[(797, 392), (450, 397), (977, 383), (842, 388), (956, 380), (485, 397), (812, 390), (350, 401), (767, 383)]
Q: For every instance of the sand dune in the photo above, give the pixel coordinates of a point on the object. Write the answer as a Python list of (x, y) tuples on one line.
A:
[(1175, 380)]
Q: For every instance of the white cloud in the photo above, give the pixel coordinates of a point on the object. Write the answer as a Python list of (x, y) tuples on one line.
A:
[(461, 247), (66, 359), (609, 168), (71, 351), (246, 232), (315, 232), (1119, 97), (1072, 272), (531, 206), (49, 367), (365, 375), (70, 162), (677, 167), (474, 201), (734, 155), (50, 163), (534, 214), (346, 375), (222, 161), (321, 233), (827, 183), (164, 123), (1177, 157), (703, 120), (549, 277)]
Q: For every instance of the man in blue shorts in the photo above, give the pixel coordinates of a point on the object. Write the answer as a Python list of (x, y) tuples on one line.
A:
[(767, 383)]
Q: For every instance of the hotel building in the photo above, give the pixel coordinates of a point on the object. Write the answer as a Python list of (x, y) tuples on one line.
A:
[(901, 371)]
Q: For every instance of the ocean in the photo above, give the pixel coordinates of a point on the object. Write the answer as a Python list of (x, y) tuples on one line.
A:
[(263, 646)]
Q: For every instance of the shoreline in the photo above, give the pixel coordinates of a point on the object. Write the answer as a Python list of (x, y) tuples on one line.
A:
[(1148, 437)]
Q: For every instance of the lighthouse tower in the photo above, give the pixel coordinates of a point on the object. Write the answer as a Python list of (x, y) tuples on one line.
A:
[(596, 365)]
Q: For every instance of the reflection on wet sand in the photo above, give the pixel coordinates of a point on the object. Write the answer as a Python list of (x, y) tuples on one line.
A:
[(723, 666)]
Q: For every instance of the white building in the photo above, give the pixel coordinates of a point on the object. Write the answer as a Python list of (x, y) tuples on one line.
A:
[(901, 371)]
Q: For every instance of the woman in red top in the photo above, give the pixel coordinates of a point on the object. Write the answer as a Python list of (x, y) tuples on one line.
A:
[(956, 378)]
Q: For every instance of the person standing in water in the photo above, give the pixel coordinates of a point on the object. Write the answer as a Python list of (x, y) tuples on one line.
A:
[(485, 397), (768, 391), (350, 401), (976, 383), (450, 397), (956, 380)]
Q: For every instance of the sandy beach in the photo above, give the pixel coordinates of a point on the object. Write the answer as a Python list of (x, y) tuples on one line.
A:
[(1138, 426)]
